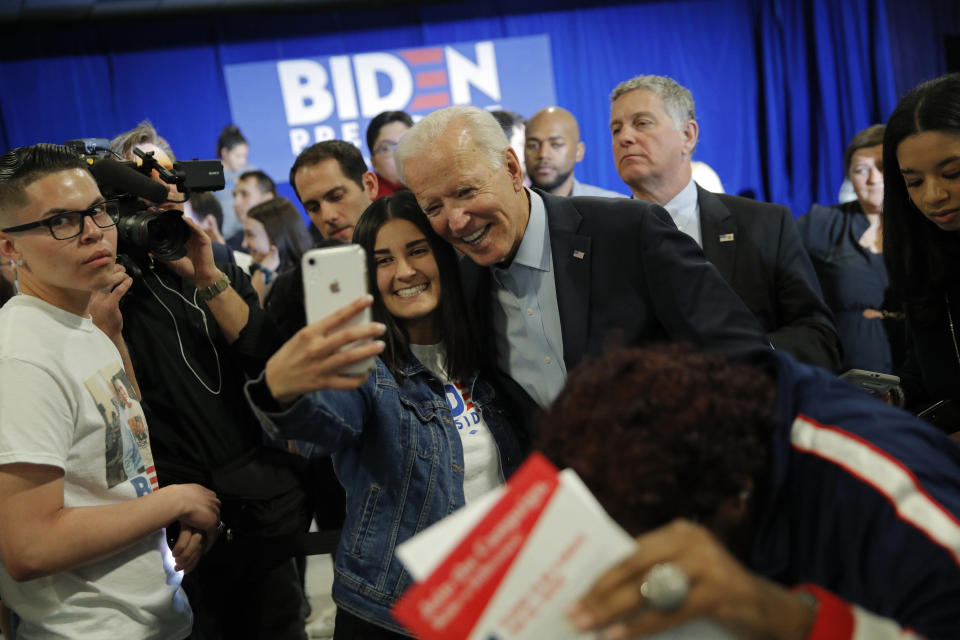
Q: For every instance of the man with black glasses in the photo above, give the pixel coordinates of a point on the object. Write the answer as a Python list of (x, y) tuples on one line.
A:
[(79, 500)]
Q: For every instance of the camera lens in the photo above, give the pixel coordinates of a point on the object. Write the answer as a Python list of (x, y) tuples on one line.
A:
[(162, 233), (312, 261), (168, 235)]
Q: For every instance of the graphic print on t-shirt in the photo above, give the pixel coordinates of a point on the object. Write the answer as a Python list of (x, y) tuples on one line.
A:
[(465, 414), (126, 442)]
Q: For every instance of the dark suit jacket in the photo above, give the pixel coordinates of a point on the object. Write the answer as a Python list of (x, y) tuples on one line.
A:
[(756, 248), (625, 276)]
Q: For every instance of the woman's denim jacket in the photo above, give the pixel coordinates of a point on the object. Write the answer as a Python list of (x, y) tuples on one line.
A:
[(399, 457)]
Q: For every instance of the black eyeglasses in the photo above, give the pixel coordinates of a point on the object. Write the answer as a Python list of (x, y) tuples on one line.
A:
[(69, 224)]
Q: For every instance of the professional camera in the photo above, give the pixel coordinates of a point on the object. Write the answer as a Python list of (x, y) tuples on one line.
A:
[(144, 229)]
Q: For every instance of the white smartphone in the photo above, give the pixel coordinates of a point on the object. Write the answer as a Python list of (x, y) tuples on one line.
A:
[(333, 277), (871, 381)]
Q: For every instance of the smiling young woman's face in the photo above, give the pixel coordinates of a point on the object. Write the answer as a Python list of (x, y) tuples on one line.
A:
[(930, 165), (408, 278)]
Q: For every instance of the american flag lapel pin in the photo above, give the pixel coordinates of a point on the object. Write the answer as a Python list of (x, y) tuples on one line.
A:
[(578, 254), (726, 237)]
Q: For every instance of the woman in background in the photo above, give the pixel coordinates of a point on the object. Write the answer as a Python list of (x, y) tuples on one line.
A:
[(276, 237), (921, 219), (233, 151), (845, 245)]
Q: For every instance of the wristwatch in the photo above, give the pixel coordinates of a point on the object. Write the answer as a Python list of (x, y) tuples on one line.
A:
[(213, 290)]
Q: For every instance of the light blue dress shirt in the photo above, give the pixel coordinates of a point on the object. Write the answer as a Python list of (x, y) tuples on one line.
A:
[(581, 189), (526, 318), (685, 211)]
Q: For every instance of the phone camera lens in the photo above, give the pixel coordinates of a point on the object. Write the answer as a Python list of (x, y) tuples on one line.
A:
[(312, 262)]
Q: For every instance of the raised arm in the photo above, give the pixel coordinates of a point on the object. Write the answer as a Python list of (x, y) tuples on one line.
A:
[(228, 308), (692, 300), (104, 308), (295, 397), (806, 329)]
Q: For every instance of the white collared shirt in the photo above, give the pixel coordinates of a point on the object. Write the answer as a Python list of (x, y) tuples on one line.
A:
[(685, 211)]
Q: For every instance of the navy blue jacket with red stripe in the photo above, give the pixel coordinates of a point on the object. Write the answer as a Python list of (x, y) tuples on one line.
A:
[(863, 500)]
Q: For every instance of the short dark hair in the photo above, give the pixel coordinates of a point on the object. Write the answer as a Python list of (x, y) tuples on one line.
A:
[(206, 204), (264, 182), (451, 316), (674, 434), (914, 249), (229, 138), (383, 119), (21, 167), (869, 137), (508, 120), (143, 133), (347, 156), (285, 228)]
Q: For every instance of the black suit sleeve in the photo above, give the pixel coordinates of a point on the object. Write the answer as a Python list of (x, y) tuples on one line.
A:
[(689, 296), (805, 323), (257, 340)]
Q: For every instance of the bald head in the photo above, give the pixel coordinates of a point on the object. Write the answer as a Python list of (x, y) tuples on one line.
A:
[(552, 150), (556, 116)]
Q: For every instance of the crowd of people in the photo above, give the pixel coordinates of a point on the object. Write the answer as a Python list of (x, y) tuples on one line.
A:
[(170, 426)]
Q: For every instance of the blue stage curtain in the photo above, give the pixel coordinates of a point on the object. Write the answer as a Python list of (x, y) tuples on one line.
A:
[(918, 39), (826, 74), (780, 85)]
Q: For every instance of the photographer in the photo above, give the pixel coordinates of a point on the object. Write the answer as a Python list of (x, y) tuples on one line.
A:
[(195, 329)]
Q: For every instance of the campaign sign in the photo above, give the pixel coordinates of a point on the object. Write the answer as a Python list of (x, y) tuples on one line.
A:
[(284, 106)]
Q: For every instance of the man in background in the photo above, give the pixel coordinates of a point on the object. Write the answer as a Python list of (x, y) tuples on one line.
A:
[(754, 245), (253, 187), (552, 150), (334, 186)]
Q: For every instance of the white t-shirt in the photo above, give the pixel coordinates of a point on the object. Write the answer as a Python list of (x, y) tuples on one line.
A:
[(66, 401), (481, 457)]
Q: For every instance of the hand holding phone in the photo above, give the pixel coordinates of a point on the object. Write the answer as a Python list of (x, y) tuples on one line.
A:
[(316, 357), (334, 277)]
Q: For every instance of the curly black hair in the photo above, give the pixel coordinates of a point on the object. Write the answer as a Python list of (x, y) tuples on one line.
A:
[(662, 432)]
